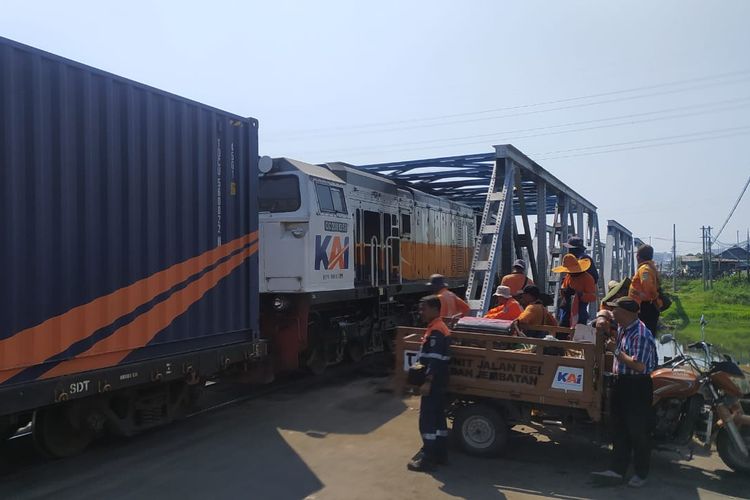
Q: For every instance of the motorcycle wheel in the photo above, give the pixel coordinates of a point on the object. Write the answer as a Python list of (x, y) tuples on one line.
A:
[(729, 453)]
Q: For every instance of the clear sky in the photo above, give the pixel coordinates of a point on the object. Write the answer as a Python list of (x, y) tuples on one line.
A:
[(643, 107)]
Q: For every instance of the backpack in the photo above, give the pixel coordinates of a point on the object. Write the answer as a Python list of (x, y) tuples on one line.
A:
[(664, 299)]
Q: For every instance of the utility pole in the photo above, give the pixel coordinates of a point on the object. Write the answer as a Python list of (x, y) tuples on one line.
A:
[(747, 250), (703, 257), (674, 257), (710, 261)]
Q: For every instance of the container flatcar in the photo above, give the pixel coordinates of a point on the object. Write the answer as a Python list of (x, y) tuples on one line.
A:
[(129, 255)]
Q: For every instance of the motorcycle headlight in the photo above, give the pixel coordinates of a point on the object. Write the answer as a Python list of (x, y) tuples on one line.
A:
[(280, 303)]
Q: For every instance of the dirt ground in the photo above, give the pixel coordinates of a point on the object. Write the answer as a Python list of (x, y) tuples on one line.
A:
[(343, 441)]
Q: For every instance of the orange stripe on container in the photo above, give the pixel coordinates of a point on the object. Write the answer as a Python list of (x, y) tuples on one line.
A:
[(37, 344), (145, 327)]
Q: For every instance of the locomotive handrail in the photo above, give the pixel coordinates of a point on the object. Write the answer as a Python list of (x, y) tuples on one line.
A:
[(374, 268), (389, 259)]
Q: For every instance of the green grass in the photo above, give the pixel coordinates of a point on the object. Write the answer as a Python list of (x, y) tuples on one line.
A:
[(726, 309)]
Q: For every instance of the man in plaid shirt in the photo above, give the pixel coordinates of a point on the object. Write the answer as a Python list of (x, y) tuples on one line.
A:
[(632, 416)]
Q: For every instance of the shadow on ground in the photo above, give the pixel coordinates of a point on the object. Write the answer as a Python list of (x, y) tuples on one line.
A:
[(559, 467), (237, 452)]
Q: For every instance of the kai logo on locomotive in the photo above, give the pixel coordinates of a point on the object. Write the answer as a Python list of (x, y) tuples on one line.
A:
[(331, 252)]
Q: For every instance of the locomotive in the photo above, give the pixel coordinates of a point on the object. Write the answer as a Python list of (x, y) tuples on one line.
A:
[(344, 255)]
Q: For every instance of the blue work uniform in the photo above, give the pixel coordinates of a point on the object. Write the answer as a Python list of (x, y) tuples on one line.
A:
[(432, 422)]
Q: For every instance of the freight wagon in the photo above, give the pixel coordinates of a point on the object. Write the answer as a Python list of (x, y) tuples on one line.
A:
[(133, 267), (129, 255)]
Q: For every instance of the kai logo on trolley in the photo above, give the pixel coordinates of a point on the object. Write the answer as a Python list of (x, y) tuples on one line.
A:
[(568, 378), (331, 252)]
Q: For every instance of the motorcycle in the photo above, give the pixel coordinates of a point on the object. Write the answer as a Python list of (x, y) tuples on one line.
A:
[(703, 401)]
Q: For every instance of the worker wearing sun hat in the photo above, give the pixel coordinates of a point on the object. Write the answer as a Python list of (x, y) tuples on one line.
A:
[(615, 290), (576, 247), (508, 308), (577, 290)]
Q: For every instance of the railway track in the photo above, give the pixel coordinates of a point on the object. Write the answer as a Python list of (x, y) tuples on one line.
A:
[(19, 453)]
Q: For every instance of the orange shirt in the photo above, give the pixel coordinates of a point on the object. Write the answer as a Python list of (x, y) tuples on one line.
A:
[(451, 305), (515, 281), (509, 311), (436, 324), (536, 314), (644, 287), (583, 284)]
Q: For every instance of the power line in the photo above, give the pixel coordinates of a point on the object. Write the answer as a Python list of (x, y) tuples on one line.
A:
[(678, 241), (691, 137), (731, 212), (383, 126), (667, 137), (698, 139), (724, 105)]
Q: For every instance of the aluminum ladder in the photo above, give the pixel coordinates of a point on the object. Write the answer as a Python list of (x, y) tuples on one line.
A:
[(498, 208)]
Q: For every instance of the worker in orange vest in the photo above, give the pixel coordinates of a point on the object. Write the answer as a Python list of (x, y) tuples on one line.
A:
[(578, 289), (450, 305), (435, 356), (644, 288), (517, 279), (508, 308), (535, 313)]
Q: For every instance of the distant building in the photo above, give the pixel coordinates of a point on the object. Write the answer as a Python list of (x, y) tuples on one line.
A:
[(735, 252), (722, 263)]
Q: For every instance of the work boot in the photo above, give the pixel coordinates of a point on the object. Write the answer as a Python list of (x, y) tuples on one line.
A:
[(423, 463), (636, 482), (441, 455), (607, 477)]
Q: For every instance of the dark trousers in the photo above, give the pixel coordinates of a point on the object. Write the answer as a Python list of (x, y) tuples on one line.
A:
[(433, 425), (583, 314), (632, 419), (650, 316)]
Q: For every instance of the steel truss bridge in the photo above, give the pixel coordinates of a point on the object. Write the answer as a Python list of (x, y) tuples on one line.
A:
[(536, 220)]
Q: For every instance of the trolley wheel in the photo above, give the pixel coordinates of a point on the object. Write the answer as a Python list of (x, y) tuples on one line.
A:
[(480, 430), (56, 436)]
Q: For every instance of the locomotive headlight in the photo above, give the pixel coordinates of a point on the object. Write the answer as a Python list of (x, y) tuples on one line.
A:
[(298, 230), (280, 303)]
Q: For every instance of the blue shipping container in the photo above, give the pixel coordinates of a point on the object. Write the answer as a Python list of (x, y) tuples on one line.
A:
[(128, 221)]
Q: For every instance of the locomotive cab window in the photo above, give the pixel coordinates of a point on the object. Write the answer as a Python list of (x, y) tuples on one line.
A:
[(406, 224), (279, 194), (330, 198)]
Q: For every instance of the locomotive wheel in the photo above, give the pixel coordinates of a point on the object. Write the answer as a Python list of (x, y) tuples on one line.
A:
[(56, 436), (7, 432), (8, 427), (729, 453), (316, 361), (356, 351)]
